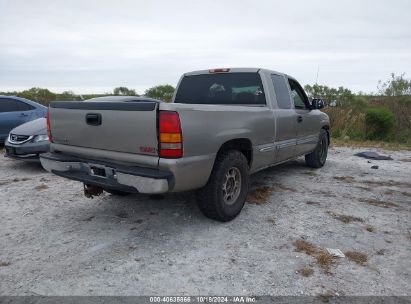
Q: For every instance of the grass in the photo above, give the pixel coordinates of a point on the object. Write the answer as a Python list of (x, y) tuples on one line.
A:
[(327, 193), (324, 260), (392, 146), (370, 228), (304, 246), (345, 218), (388, 183), (357, 257), (347, 179), (259, 194), (378, 203), (306, 271)]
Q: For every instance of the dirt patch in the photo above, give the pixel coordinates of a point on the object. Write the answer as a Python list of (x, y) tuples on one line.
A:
[(280, 187), (391, 192), (313, 203), (378, 203), (270, 220), (345, 218), (364, 188), (327, 193), (347, 179), (304, 246), (357, 257), (14, 180), (381, 252), (4, 264), (388, 183), (407, 160), (259, 194), (310, 173), (41, 187), (306, 271)]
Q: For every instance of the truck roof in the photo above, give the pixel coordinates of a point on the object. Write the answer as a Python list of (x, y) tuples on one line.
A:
[(236, 70)]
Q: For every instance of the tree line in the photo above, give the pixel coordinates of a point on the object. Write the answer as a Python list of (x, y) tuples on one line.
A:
[(394, 86)]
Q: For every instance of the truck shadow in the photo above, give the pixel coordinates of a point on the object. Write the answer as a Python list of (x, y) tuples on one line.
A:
[(21, 166)]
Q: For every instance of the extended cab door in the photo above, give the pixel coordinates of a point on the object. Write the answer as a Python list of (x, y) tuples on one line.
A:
[(286, 120), (307, 125)]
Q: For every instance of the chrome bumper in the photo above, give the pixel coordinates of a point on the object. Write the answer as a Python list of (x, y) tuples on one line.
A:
[(111, 176)]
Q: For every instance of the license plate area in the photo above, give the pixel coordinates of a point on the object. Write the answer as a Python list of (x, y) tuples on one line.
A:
[(98, 171)]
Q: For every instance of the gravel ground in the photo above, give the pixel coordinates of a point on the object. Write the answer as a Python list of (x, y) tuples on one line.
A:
[(54, 241)]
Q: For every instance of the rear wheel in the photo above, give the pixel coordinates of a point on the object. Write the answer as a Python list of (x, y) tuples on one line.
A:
[(226, 191), (317, 158)]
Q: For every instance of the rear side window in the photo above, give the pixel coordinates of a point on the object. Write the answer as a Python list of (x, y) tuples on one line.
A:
[(230, 88), (281, 91), (22, 106), (8, 105)]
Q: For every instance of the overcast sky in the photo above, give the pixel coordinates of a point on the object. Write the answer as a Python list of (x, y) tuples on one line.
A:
[(94, 46)]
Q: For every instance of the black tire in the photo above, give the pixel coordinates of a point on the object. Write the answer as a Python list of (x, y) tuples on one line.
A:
[(116, 192), (215, 202), (317, 158)]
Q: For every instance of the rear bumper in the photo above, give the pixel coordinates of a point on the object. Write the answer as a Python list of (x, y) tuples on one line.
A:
[(27, 151), (131, 179)]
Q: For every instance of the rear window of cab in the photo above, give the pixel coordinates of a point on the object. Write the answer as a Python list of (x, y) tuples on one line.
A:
[(222, 88)]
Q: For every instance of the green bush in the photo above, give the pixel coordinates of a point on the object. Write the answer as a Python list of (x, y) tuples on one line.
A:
[(379, 123)]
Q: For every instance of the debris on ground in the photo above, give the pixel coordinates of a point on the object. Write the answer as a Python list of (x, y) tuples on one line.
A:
[(374, 167), (373, 155), (335, 252)]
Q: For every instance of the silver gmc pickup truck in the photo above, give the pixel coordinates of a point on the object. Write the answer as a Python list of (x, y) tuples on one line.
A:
[(221, 126)]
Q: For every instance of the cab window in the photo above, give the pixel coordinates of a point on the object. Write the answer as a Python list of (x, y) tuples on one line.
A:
[(298, 95)]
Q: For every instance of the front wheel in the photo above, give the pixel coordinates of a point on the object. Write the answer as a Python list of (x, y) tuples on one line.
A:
[(317, 158), (226, 191)]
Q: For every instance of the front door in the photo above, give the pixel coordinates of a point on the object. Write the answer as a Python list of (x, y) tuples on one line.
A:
[(307, 121)]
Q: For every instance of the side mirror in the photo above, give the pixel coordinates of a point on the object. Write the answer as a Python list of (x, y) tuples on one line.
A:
[(317, 104)]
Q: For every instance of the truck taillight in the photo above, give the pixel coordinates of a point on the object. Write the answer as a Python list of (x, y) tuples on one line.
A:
[(170, 137), (48, 126)]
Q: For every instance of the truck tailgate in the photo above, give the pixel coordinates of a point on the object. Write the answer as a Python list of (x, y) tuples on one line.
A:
[(129, 127)]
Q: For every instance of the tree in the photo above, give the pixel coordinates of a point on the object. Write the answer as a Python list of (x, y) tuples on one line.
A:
[(396, 86), (43, 96), (163, 92), (124, 91), (341, 95)]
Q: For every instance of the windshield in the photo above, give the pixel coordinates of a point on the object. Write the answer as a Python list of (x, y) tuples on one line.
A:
[(230, 88)]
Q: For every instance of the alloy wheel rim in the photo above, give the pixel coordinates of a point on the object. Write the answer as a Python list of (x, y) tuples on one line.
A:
[(231, 185)]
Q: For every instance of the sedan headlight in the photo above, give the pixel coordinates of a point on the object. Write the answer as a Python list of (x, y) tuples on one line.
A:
[(39, 138)]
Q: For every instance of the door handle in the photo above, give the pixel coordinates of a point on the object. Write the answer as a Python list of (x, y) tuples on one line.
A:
[(299, 118), (23, 114), (93, 119)]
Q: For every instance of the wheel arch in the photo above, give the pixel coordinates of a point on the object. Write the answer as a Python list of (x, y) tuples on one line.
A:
[(242, 145)]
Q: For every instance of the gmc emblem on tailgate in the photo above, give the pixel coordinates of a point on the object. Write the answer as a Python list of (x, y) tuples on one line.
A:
[(148, 150)]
